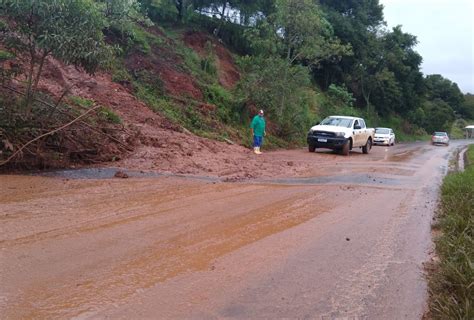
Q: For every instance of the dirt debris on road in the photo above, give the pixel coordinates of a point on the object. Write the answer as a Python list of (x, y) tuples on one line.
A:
[(194, 247), (161, 145), (77, 244)]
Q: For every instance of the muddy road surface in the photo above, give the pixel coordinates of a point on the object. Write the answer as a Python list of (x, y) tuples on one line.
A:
[(339, 237)]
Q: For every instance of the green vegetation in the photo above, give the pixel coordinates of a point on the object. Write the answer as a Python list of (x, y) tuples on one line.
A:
[(299, 60), (73, 32), (40, 29), (82, 102), (451, 285), (109, 115), (298, 57), (5, 55), (457, 129)]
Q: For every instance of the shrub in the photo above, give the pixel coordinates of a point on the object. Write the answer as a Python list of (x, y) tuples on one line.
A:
[(6, 55), (208, 64), (341, 95), (82, 102), (109, 115)]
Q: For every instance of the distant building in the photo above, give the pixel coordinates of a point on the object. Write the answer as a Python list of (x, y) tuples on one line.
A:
[(469, 132)]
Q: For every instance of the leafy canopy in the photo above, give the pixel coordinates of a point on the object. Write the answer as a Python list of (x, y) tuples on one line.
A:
[(69, 30), (297, 31)]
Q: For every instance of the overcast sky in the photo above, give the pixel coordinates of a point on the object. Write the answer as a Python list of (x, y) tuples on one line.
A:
[(445, 33)]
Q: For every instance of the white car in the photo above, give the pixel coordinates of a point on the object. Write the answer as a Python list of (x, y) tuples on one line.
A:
[(384, 136), (440, 138)]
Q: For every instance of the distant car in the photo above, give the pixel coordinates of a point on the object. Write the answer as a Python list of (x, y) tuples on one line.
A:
[(440, 138), (384, 136)]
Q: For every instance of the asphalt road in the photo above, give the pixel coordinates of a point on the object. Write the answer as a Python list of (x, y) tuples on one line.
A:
[(346, 239)]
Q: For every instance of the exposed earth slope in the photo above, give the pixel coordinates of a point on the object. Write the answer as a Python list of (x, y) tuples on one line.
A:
[(160, 144)]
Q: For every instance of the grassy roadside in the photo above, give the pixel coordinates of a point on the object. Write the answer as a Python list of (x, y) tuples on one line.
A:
[(452, 282)]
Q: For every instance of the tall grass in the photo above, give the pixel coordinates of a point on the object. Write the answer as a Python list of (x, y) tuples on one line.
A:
[(452, 284)]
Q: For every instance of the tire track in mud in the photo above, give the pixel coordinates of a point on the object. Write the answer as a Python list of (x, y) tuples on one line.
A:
[(162, 259), (119, 215)]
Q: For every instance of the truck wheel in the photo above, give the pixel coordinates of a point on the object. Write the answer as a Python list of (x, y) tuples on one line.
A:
[(367, 147), (311, 148), (345, 148)]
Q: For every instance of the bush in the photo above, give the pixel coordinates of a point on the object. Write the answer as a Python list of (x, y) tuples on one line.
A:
[(208, 64), (109, 115), (341, 95), (6, 55), (457, 129), (220, 97), (82, 102)]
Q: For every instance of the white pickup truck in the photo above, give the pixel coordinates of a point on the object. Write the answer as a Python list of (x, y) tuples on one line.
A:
[(341, 133)]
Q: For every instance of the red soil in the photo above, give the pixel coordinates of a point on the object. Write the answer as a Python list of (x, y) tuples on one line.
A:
[(227, 72), (159, 144), (175, 82)]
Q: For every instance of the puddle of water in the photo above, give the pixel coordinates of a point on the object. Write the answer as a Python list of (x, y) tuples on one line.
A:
[(402, 156), (109, 173), (364, 179)]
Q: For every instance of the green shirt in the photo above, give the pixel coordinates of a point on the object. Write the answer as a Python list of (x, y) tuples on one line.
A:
[(258, 126)]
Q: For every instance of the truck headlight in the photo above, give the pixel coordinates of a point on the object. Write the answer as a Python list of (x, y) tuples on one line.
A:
[(340, 134)]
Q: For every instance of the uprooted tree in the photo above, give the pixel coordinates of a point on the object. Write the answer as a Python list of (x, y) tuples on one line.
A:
[(31, 31)]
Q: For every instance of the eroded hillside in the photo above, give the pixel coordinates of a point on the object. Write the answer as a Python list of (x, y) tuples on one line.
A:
[(157, 142)]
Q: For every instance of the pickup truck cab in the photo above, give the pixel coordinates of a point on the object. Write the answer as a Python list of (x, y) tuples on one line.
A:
[(341, 133)]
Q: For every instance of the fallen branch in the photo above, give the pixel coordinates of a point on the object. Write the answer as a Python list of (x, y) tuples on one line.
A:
[(229, 141), (126, 147), (47, 134)]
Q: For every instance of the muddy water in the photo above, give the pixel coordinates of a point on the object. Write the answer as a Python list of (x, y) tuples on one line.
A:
[(162, 246)]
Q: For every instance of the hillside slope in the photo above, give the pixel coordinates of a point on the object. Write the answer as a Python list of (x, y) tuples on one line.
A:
[(159, 143)]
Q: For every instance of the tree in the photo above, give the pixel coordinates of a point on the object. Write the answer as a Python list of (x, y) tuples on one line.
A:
[(244, 12), (404, 62), (388, 75), (367, 76), (297, 32), (467, 107), (356, 23), (439, 87), (120, 14), (69, 30), (159, 10), (263, 84), (360, 14), (181, 6), (439, 116)]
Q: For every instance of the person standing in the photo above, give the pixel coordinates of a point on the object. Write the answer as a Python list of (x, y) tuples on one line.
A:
[(258, 131)]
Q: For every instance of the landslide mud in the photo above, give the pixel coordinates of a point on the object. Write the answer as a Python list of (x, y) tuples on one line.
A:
[(181, 247), (148, 230)]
